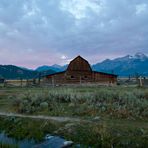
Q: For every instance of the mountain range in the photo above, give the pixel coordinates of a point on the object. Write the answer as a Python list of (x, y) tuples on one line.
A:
[(55, 67), (14, 72), (122, 66), (125, 66)]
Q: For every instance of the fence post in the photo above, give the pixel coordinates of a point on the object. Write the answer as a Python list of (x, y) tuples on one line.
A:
[(140, 80), (80, 80), (21, 82), (53, 81)]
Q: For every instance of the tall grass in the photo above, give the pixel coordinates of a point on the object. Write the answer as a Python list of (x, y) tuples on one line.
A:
[(3, 145), (119, 102)]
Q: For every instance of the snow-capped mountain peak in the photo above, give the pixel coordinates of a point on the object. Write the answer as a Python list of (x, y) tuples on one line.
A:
[(140, 56), (125, 66), (137, 56)]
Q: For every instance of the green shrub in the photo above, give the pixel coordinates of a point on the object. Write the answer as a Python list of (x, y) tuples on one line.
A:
[(44, 105)]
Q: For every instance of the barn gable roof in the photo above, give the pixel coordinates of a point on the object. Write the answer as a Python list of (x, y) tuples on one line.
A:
[(57, 73), (104, 73), (79, 64)]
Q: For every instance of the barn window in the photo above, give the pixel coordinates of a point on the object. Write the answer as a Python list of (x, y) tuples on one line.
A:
[(85, 77), (72, 77)]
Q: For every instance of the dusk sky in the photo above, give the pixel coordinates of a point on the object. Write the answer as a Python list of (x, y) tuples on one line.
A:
[(47, 32)]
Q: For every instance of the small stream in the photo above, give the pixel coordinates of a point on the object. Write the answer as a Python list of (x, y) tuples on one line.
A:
[(22, 143), (52, 142)]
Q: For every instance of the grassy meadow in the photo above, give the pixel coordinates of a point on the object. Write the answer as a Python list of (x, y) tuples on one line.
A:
[(111, 116), (118, 102)]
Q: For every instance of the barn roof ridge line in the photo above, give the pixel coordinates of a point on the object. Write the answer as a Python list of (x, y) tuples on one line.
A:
[(79, 57)]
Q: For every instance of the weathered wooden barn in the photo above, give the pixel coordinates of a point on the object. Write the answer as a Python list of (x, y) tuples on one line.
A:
[(78, 72)]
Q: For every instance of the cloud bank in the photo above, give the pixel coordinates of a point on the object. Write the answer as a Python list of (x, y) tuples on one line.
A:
[(40, 32)]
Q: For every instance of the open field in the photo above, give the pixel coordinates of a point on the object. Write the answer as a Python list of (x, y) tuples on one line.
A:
[(113, 116), (119, 102)]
